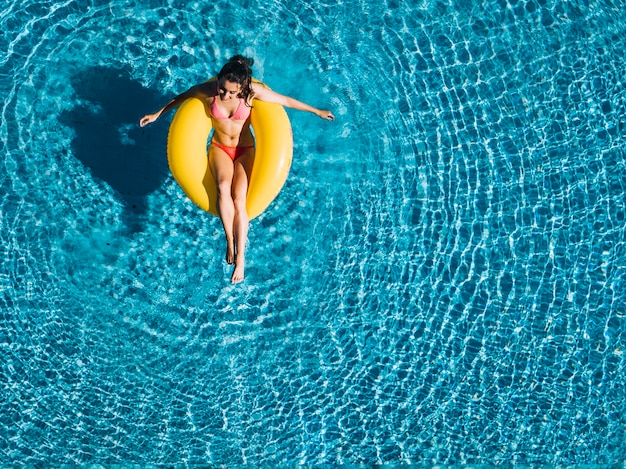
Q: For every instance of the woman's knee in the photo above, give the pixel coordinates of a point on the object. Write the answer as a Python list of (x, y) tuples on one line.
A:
[(240, 202), (224, 187)]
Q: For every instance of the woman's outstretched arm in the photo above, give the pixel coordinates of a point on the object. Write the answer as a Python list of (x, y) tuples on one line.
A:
[(176, 101), (265, 94)]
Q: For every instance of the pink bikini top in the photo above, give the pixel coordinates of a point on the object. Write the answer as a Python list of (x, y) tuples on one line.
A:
[(242, 112)]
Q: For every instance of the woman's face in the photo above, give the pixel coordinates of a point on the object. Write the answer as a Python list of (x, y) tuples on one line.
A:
[(228, 90)]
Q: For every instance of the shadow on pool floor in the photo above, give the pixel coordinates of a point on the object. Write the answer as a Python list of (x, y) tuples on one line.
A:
[(109, 141)]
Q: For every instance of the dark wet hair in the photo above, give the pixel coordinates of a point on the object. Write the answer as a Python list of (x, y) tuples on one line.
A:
[(237, 70)]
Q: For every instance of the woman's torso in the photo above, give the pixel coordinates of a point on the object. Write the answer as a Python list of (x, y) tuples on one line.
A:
[(231, 120)]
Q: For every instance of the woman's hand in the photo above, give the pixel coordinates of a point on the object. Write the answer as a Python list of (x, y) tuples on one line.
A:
[(326, 115), (148, 119)]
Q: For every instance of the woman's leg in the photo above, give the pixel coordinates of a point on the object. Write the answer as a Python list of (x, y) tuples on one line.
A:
[(241, 180), (223, 171)]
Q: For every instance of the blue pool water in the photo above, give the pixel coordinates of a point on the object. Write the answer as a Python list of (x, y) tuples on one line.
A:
[(442, 279)]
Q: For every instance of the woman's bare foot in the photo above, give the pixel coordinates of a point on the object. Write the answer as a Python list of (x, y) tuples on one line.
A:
[(237, 276)]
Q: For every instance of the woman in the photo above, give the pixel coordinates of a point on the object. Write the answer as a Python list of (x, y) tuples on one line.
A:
[(231, 153)]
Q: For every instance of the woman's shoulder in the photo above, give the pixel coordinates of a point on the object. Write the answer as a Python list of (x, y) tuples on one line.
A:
[(259, 90), (208, 88)]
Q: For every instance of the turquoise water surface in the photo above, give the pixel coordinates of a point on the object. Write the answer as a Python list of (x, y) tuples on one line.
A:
[(442, 279)]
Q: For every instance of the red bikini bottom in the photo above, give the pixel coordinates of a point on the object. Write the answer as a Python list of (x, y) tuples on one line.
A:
[(232, 152)]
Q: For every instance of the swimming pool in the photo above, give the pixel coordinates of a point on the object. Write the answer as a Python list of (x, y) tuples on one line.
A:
[(441, 281)]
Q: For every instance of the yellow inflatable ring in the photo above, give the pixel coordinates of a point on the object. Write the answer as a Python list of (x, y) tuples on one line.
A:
[(187, 154)]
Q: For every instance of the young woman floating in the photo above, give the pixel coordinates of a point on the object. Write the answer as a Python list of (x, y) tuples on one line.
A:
[(230, 99)]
